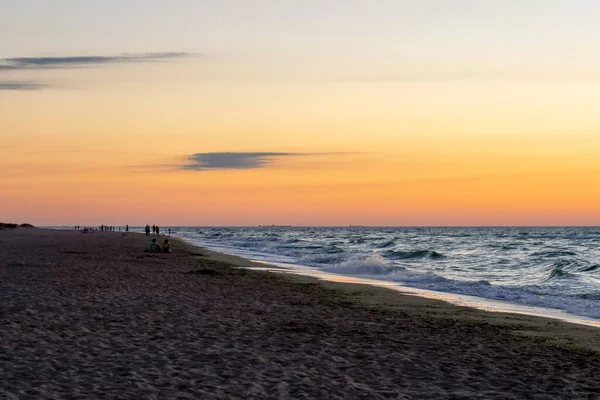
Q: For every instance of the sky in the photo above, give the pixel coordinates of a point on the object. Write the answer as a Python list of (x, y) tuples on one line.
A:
[(328, 112)]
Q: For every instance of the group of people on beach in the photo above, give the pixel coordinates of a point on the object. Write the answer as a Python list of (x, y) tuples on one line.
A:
[(110, 228), (85, 229), (155, 230), (103, 228), (154, 247)]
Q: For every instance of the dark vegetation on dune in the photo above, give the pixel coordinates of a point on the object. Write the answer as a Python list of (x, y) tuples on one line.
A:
[(4, 225)]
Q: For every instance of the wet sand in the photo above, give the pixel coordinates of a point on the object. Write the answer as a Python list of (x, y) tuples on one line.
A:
[(92, 316)]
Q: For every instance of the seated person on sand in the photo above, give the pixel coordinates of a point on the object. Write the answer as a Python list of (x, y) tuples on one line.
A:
[(153, 247), (166, 247)]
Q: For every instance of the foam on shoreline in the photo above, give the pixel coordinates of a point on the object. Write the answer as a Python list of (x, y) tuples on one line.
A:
[(455, 299)]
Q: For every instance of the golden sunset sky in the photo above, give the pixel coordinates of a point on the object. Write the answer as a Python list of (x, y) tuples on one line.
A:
[(329, 112)]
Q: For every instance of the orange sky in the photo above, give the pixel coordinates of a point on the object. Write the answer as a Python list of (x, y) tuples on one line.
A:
[(367, 128)]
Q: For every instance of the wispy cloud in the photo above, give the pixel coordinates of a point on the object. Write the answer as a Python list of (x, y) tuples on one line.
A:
[(21, 86), (27, 63), (216, 161)]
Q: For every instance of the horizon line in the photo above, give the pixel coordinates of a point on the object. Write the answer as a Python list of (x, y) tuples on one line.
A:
[(336, 226)]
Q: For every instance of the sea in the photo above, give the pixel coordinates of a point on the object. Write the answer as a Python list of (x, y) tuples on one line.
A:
[(547, 271), (506, 268)]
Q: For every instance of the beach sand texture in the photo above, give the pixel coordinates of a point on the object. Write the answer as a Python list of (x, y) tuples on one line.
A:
[(92, 316)]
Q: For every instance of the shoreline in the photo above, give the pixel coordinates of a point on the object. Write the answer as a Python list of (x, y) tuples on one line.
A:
[(92, 315), (460, 300), (555, 330)]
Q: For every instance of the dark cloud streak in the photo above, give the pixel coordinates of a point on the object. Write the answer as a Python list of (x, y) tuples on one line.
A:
[(22, 86), (221, 161), (27, 63)]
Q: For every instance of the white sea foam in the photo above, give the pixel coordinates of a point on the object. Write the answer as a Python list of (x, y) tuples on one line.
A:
[(548, 267)]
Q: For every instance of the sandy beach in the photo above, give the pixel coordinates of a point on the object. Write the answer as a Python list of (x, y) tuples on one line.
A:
[(91, 316)]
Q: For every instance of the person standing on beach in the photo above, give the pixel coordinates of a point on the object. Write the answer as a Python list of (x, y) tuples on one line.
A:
[(147, 230), (126, 228), (157, 230)]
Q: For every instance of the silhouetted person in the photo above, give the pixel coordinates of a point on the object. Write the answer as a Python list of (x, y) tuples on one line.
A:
[(126, 228), (147, 230), (157, 230)]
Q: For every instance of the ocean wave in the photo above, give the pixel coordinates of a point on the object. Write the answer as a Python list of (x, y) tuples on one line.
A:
[(216, 235), (311, 247), (554, 253), (374, 265), (407, 255), (570, 269), (271, 234), (585, 305), (313, 260), (558, 272), (591, 268), (590, 296), (544, 267), (333, 250), (383, 245), (247, 245), (357, 241), (511, 246)]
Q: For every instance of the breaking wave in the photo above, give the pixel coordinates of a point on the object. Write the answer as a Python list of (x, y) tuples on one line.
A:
[(550, 267)]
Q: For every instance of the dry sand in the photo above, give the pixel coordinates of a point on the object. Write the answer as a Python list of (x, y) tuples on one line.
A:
[(91, 316)]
